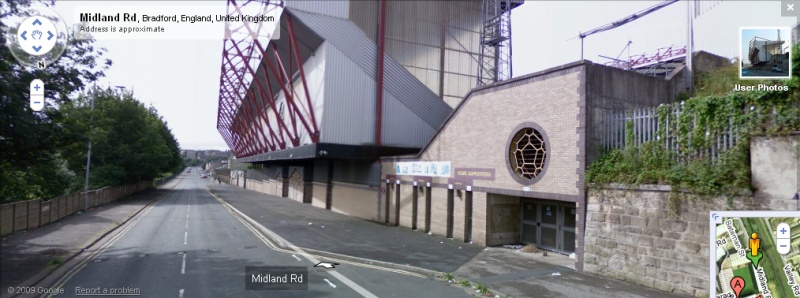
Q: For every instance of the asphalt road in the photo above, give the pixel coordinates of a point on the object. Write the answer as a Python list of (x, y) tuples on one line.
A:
[(189, 245)]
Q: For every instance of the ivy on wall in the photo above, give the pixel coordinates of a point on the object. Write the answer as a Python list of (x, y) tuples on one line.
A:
[(695, 127)]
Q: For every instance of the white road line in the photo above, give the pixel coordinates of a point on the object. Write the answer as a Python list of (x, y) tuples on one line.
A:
[(296, 257), (180, 293), (330, 283), (187, 224), (185, 236), (364, 292), (183, 266)]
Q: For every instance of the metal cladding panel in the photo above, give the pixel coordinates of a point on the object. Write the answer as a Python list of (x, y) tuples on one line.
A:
[(413, 94), (401, 127), (336, 8), (419, 22), (365, 15), (350, 105), (351, 41), (314, 68)]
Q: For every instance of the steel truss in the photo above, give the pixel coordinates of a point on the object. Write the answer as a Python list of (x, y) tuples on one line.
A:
[(247, 116), (494, 60)]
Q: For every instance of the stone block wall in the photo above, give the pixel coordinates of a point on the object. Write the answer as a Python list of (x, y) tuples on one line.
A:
[(631, 236)]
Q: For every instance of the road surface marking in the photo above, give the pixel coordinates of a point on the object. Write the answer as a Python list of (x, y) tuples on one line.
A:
[(185, 236), (255, 225), (330, 283), (180, 293), (296, 257), (64, 279), (183, 266), (187, 225)]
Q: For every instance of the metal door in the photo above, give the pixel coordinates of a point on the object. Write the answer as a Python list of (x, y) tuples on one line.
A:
[(549, 225), (530, 222)]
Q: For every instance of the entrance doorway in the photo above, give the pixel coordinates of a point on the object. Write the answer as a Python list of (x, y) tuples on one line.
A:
[(548, 224)]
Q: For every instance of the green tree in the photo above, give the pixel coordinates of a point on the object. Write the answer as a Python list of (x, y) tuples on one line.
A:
[(30, 164), (130, 142)]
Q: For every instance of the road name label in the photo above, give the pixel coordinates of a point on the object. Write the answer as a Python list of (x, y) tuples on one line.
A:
[(791, 281), (762, 281), (734, 238)]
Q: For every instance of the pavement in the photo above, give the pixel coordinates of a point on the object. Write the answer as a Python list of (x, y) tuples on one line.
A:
[(505, 271), (324, 231), (193, 238), (26, 255), (189, 244)]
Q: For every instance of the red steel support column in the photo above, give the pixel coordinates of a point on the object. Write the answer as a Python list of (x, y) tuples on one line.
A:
[(246, 100), (379, 95), (260, 87), (287, 94), (241, 79), (314, 134)]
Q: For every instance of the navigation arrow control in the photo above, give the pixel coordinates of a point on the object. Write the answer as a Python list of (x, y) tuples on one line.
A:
[(50, 35), (23, 35), (326, 265), (37, 22)]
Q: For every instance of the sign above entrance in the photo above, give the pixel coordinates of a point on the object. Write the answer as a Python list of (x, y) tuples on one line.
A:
[(475, 173), (423, 168)]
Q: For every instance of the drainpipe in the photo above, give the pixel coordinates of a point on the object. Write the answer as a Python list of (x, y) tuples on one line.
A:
[(379, 95)]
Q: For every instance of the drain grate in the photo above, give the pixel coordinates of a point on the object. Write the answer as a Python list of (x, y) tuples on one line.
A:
[(250, 247)]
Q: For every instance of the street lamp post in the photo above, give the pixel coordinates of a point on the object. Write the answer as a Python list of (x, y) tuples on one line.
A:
[(89, 151), (88, 156)]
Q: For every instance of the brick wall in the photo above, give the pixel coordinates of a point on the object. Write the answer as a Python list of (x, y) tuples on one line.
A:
[(439, 211), (477, 135), (355, 200)]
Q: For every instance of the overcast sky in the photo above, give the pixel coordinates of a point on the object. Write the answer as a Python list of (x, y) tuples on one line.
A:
[(181, 77)]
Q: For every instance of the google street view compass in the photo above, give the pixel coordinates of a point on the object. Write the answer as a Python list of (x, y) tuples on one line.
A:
[(37, 35), (40, 38)]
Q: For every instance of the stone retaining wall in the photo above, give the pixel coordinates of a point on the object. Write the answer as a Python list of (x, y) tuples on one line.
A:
[(630, 236)]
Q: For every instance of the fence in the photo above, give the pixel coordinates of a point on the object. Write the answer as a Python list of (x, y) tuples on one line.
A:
[(646, 127), (32, 214)]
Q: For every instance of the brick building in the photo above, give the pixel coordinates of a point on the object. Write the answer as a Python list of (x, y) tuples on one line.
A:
[(508, 164)]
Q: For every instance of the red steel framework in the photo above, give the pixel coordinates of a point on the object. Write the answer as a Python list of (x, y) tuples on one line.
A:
[(247, 109)]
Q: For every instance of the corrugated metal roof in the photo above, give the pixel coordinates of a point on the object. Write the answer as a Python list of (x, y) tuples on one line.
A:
[(351, 40)]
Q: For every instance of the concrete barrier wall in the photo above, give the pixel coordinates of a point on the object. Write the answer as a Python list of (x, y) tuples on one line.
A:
[(31, 214)]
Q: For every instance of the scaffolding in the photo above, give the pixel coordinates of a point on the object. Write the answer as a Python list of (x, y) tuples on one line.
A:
[(494, 61)]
